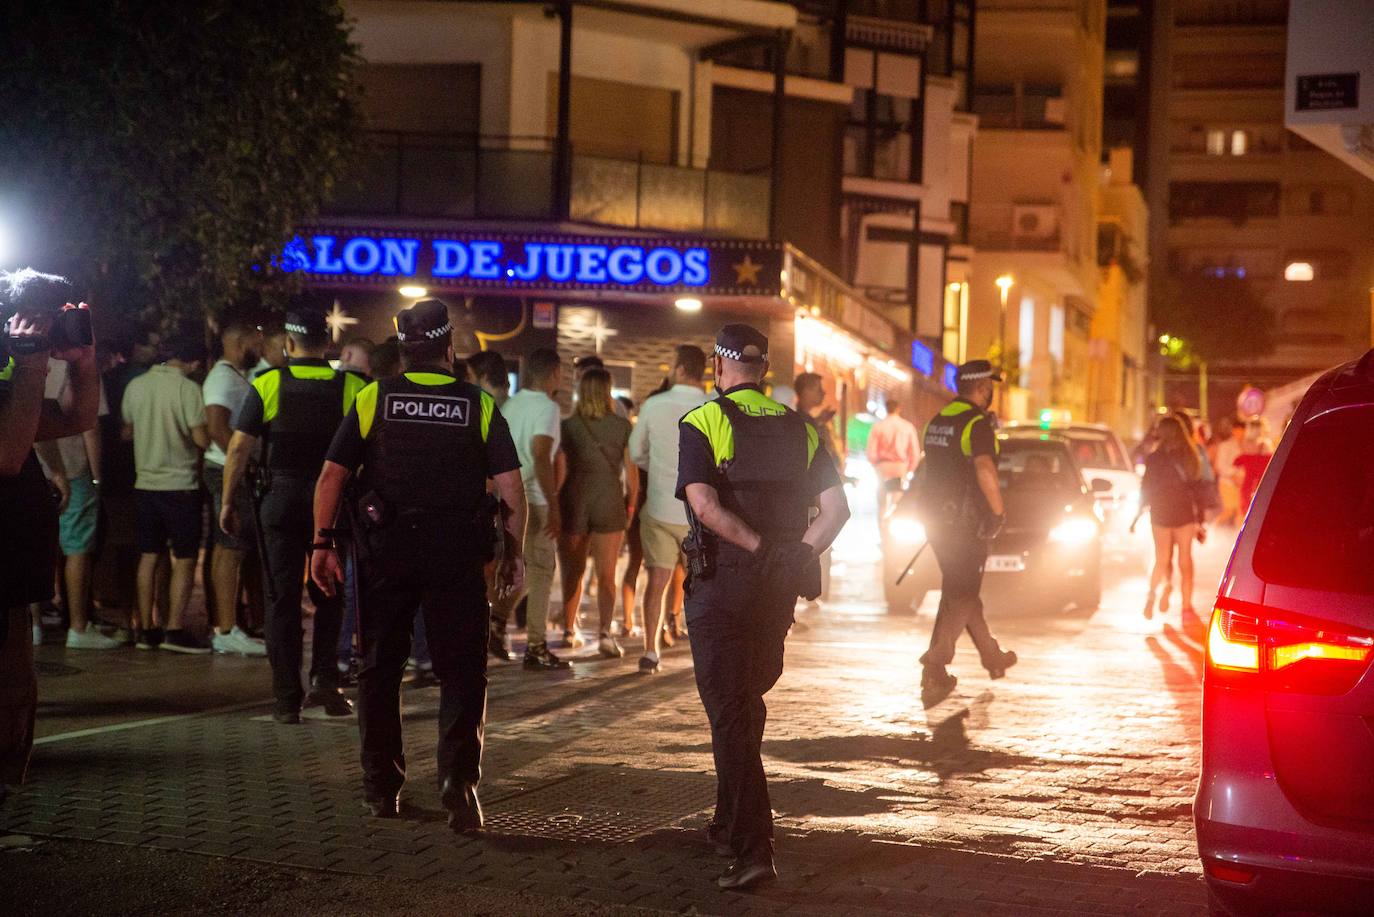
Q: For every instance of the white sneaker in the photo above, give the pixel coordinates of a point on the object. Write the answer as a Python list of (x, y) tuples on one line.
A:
[(37, 635), (609, 648), (90, 639), (237, 643)]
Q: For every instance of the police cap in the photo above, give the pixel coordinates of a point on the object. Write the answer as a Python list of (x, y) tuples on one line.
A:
[(733, 340), (307, 322), (976, 371), (427, 320)]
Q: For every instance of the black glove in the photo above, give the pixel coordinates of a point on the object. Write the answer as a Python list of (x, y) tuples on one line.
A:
[(992, 526), (790, 563)]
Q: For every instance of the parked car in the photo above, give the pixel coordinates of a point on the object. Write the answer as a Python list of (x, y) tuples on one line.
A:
[(1285, 804), (1050, 548)]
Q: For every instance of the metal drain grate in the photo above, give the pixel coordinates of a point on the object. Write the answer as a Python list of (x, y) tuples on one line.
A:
[(611, 805)]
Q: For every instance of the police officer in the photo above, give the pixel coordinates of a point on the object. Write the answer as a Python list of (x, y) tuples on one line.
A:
[(962, 502), (749, 470), (423, 530), (296, 409)]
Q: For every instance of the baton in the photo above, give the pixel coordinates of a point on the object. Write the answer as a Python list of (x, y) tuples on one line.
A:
[(911, 563), (259, 536)]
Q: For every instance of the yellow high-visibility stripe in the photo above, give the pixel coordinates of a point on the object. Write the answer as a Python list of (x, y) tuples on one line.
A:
[(715, 426), (366, 406), (269, 390)]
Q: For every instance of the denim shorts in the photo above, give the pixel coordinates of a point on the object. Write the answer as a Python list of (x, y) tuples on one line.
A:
[(76, 527)]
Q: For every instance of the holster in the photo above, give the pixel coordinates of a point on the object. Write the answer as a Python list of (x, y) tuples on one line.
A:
[(699, 548)]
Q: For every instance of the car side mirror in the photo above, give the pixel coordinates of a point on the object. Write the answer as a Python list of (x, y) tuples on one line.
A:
[(1099, 485)]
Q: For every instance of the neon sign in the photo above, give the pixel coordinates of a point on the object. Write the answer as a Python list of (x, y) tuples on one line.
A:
[(543, 261), (951, 377), (922, 358)]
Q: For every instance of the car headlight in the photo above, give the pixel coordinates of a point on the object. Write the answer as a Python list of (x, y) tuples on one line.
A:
[(1074, 532), (906, 530)]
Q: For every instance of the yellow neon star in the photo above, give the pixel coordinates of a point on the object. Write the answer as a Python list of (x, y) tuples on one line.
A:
[(338, 320), (747, 271)]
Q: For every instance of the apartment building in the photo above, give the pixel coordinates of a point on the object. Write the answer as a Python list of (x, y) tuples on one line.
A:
[(1036, 159), (1238, 195)]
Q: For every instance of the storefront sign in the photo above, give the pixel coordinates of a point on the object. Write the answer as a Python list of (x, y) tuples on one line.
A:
[(951, 379), (545, 316), (485, 260), (1328, 91), (922, 358)]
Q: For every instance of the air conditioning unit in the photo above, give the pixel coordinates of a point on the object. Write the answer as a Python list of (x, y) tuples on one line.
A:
[(1034, 222)]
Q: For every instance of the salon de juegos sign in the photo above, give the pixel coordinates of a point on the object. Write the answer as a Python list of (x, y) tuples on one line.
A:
[(534, 261)]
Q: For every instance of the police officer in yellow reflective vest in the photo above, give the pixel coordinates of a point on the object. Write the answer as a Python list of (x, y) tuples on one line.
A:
[(296, 410), (961, 504), (423, 528), (749, 470)]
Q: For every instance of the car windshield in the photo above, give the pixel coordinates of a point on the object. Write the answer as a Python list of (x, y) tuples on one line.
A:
[(1031, 465), (1318, 531), (1094, 449)]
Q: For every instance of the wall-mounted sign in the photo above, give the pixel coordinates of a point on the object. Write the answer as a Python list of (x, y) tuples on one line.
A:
[(1328, 91), (377, 256), (922, 358), (951, 377), (544, 315)]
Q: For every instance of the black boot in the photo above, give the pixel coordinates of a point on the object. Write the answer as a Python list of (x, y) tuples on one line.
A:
[(464, 811), (998, 667)]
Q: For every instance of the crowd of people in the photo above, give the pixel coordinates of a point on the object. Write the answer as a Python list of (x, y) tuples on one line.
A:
[(145, 497)]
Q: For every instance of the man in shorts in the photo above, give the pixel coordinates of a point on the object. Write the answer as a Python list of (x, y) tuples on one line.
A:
[(164, 415), (663, 521)]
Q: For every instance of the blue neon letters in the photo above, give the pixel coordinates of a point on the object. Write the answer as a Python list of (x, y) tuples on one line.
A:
[(489, 259), (922, 358)]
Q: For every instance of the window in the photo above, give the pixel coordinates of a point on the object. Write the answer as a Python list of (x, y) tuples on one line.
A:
[(955, 315), (1239, 141), (1329, 475), (883, 136), (1216, 143), (1026, 339), (1057, 333), (1235, 201), (1317, 200)]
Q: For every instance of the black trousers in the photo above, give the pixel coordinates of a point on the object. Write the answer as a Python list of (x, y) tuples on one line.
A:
[(288, 532), (457, 619), (737, 623), (961, 555)]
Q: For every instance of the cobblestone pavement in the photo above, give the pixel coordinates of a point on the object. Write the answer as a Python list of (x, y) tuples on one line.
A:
[(1064, 788)]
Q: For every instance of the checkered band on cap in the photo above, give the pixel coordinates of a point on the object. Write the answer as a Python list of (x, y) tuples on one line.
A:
[(294, 328), (738, 356), (430, 335), (983, 374)]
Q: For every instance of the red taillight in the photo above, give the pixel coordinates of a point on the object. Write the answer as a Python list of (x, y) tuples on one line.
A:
[(1228, 872), (1292, 653)]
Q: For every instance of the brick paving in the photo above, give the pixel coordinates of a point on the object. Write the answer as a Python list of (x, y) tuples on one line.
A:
[(1064, 788)]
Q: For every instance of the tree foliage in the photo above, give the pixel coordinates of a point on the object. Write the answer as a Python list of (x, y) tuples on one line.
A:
[(1213, 319), (161, 152)]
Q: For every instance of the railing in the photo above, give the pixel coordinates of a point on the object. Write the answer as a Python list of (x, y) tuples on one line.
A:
[(1028, 110), (467, 177), (1006, 241)]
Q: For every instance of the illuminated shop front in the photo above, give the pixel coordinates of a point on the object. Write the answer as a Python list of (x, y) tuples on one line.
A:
[(629, 300)]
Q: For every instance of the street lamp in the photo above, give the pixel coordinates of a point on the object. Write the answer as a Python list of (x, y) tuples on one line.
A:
[(1004, 283)]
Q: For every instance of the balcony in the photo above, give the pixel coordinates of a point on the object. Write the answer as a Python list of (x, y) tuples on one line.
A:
[(464, 177), (1020, 108)]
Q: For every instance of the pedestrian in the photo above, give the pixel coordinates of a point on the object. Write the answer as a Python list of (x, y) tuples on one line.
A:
[(960, 499), (356, 357), (810, 397), (226, 386), (532, 414), (273, 349), (1224, 466), (427, 444), (29, 307), (663, 521), (1170, 491), (294, 411), (894, 451), (589, 362), (749, 470), (73, 465), (164, 415), (596, 507), (386, 359), (1254, 457), (489, 372)]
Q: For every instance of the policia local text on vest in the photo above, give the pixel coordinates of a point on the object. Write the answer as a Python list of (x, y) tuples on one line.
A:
[(295, 411), (749, 470), (422, 528)]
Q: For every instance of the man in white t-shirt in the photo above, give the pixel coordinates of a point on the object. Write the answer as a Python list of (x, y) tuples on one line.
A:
[(72, 464), (663, 521), (534, 421), (226, 385)]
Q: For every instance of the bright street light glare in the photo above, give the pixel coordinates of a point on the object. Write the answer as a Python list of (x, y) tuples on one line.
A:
[(688, 304), (413, 292), (6, 246)]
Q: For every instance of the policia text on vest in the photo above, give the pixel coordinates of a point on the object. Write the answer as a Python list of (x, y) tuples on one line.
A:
[(750, 471), (424, 446)]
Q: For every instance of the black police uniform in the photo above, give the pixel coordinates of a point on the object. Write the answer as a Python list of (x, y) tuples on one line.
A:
[(956, 517), (427, 443), (767, 465), (296, 410)]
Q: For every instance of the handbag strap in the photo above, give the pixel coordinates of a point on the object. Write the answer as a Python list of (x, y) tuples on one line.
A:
[(613, 466)]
